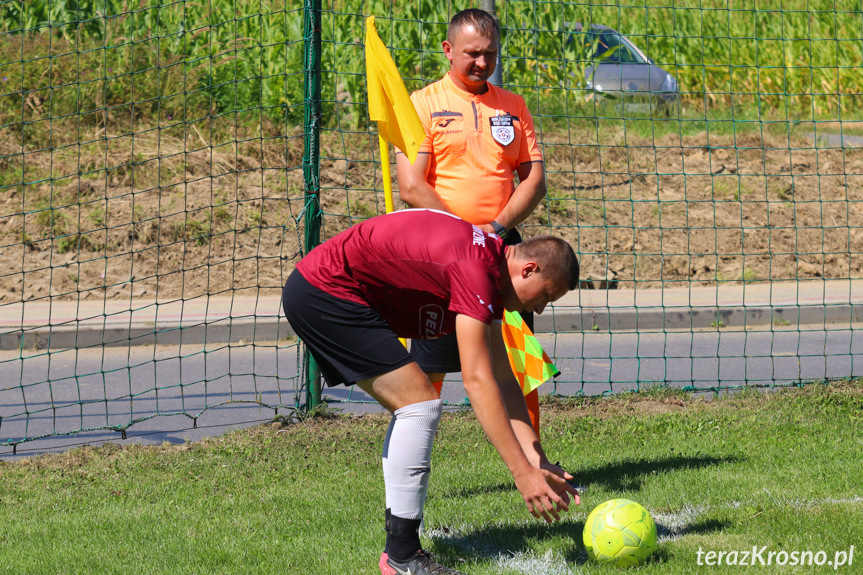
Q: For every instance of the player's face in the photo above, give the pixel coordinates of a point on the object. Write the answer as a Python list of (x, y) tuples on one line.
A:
[(532, 292), (472, 57)]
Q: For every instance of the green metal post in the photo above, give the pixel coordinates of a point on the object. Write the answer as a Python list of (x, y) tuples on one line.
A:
[(311, 161), (496, 76)]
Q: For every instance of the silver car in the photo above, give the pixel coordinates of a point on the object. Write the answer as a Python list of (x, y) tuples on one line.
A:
[(622, 71)]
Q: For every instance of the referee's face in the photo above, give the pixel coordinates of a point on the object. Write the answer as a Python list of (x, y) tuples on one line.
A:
[(472, 58)]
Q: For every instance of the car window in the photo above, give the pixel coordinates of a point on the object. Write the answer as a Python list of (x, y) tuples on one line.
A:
[(582, 44), (611, 48)]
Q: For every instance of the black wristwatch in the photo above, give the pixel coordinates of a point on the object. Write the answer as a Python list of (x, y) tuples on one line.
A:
[(499, 230)]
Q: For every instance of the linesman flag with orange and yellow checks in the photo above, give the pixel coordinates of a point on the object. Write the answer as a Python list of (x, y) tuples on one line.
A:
[(530, 364)]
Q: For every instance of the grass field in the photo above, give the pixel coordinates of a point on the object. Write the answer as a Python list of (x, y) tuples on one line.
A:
[(155, 150), (779, 470)]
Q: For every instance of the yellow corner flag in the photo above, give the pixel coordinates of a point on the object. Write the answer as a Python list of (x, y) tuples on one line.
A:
[(389, 103), (530, 364)]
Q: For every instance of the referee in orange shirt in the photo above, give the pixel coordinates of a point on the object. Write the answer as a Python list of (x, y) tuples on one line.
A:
[(478, 136)]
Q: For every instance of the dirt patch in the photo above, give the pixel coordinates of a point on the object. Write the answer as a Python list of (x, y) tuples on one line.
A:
[(180, 212), (680, 210), (625, 404), (161, 217), (664, 401)]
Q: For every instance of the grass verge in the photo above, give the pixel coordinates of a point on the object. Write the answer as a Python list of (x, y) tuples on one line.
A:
[(777, 469)]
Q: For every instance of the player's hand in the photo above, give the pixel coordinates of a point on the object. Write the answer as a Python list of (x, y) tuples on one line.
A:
[(567, 491), (540, 490)]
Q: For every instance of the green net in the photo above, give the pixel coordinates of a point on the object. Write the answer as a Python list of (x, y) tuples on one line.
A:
[(164, 165), (152, 185)]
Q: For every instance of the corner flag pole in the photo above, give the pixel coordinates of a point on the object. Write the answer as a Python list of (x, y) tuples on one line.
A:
[(385, 169), (388, 186)]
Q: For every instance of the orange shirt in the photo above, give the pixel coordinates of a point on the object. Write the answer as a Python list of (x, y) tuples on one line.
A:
[(476, 143)]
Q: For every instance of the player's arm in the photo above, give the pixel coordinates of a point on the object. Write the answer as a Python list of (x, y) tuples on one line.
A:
[(543, 492), (513, 398), (414, 189)]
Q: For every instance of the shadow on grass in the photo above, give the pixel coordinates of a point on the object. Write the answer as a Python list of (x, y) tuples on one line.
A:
[(673, 532), (493, 541), (626, 475)]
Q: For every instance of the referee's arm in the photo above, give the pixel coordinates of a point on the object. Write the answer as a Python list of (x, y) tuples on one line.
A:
[(526, 197), (414, 189)]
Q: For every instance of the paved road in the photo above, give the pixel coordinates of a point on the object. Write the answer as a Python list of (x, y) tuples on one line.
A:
[(66, 390), (829, 140), (52, 323)]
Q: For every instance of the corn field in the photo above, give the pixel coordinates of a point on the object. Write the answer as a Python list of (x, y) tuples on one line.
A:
[(90, 58)]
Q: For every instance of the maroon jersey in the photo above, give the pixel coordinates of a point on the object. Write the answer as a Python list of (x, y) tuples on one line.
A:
[(417, 268)]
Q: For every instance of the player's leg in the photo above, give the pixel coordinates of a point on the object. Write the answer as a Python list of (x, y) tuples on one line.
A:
[(400, 387), (436, 380), (411, 502), (416, 409), (352, 343), (532, 400), (437, 357)]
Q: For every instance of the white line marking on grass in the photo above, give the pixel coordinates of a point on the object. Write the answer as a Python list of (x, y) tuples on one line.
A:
[(671, 526), (529, 563)]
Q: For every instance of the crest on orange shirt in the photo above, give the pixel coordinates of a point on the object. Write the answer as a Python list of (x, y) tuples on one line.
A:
[(502, 129)]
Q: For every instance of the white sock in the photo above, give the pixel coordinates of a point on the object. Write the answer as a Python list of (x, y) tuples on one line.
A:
[(407, 457)]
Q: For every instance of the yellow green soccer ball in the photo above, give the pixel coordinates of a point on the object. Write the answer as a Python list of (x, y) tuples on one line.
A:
[(620, 532)]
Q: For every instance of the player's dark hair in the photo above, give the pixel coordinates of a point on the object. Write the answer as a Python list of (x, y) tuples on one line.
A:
[(556, 258), (480, 20)]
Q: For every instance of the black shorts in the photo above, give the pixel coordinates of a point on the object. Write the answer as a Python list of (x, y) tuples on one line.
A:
[(441, 355), (349, 341)]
